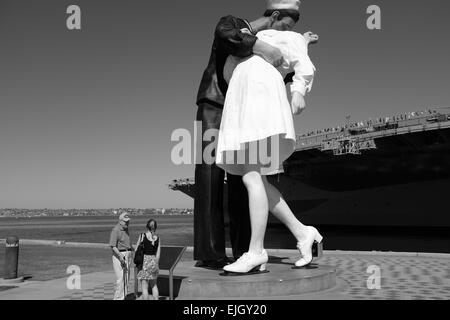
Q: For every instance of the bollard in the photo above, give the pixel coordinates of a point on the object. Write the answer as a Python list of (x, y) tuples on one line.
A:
[(11, 258)]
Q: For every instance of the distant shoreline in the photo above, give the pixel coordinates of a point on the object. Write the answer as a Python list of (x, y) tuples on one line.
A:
[(67, 213), (99, 215)]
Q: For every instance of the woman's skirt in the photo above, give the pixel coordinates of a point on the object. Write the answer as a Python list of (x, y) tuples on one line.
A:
[(257, 128), (150, 268)]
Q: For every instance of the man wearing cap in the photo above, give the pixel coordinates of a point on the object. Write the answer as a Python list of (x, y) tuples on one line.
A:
[(233, 36), (121, 255)]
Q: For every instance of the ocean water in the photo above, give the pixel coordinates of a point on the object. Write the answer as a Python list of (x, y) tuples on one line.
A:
[(174, 230)]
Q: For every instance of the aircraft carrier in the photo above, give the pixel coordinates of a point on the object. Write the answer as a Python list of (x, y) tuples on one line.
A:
[(388, 172)]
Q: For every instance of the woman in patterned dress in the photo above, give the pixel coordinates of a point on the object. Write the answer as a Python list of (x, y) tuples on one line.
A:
[(150, 269)]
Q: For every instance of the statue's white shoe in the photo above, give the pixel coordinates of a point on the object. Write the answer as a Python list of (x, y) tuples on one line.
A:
[(247, 262), (305, 246)]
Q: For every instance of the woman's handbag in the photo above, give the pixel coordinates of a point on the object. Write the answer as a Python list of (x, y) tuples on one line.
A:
[(139, 254)]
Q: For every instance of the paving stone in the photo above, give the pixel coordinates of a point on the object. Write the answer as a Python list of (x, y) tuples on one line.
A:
[(402, 278)]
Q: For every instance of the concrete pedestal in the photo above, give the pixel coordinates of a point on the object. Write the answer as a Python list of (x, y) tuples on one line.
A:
[(197, 283)]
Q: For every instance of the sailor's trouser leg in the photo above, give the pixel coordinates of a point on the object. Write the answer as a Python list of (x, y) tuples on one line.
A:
[(209, 226), (240, 229)]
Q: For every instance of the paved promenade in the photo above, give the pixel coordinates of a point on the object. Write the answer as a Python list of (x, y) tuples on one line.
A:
[(404, 276)]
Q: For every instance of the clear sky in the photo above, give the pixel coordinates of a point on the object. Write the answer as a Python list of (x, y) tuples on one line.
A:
[(86, 116)]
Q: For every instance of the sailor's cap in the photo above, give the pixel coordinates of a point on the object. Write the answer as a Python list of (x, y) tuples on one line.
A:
[(283, 4)]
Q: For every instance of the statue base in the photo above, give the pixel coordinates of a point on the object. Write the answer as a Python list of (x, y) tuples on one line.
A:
[(191, 282)]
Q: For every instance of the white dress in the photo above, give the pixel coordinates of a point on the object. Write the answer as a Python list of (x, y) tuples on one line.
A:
[(257, 129)]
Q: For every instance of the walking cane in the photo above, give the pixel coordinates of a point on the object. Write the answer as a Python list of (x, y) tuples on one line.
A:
[(125, 279)]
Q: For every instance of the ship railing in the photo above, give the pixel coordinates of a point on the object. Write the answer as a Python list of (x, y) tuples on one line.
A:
[(418, 127), (381, 121), (177, 183), (348, 146), (408, 122), (376, 130)]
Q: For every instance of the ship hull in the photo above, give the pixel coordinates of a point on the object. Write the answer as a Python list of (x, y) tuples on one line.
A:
[(404, 182), (370, 189), (419, 204)]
